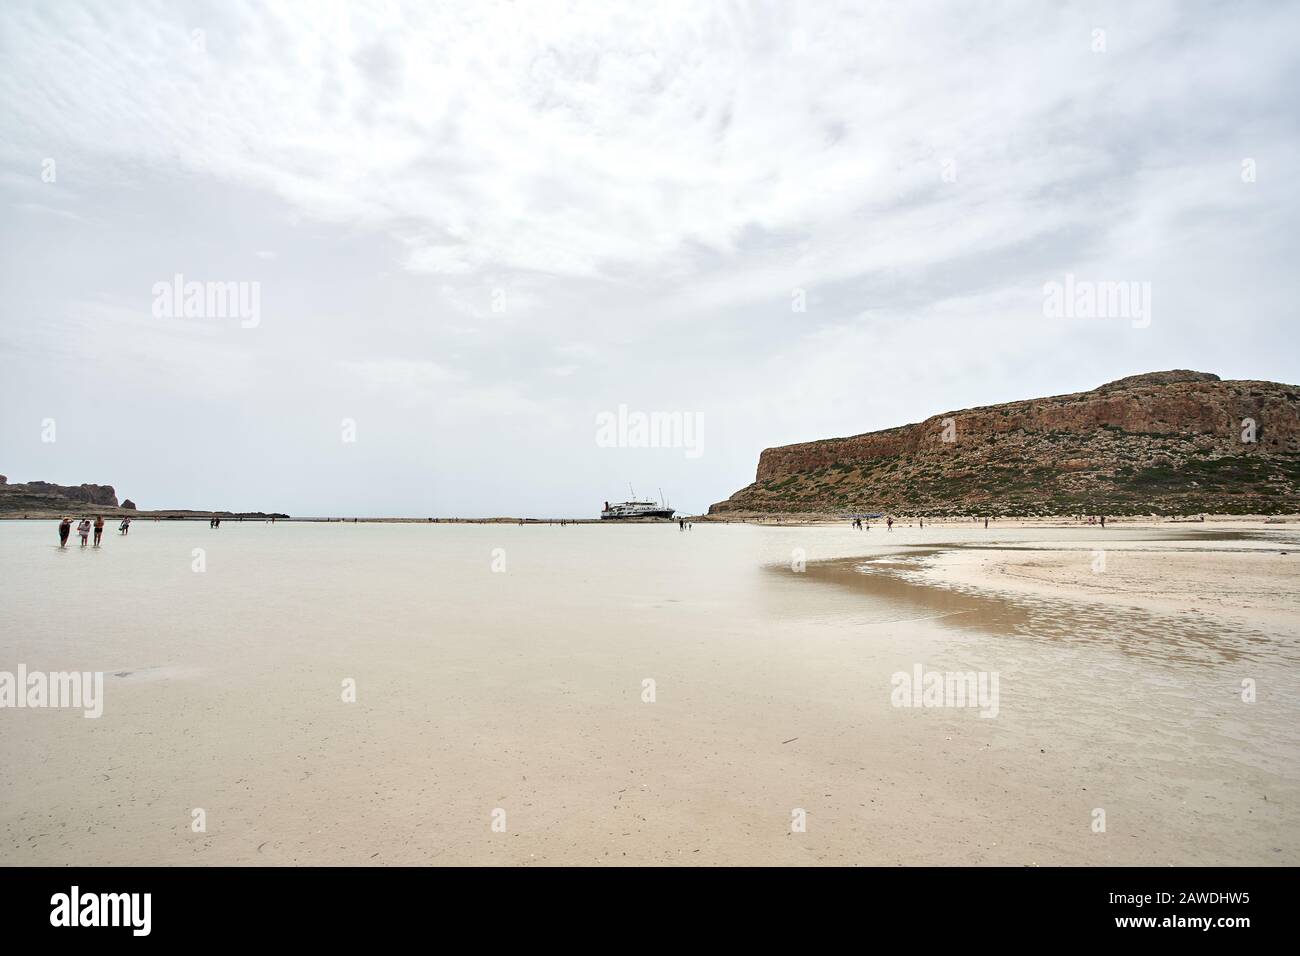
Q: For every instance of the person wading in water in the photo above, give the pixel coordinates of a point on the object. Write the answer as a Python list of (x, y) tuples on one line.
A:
[(65, 529)]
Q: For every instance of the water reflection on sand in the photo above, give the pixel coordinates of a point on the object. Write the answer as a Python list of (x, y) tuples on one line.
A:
[(1137, 631)]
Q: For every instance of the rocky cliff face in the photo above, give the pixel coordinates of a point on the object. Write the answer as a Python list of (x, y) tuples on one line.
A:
[(45, 496), (1176, 442)]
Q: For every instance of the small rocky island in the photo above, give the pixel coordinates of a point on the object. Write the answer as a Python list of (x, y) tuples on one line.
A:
[(44, 499)]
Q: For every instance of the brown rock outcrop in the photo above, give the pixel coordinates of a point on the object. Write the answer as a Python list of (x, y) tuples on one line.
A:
[(1164, 442), (46, 496)]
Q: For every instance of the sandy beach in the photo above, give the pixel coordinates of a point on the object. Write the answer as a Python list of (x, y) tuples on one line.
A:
[(521, 695), (546, 436), (1253, 586)]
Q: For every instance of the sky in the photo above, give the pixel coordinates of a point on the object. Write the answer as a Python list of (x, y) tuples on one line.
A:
[(444, 259)]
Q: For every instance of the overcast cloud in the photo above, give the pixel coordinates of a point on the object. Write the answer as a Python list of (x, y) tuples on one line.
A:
[(477, 227)]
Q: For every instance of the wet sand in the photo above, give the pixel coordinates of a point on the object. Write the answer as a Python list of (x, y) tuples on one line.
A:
[(1254, 586), (523, 691)]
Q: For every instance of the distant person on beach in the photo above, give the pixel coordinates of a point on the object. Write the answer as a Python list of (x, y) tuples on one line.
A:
[(124, 527), (83, 529), (65, 529), (889, 522), (1103, 521), (986, 522), (99, 529)]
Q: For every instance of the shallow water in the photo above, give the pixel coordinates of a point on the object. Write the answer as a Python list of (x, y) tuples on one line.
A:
[(522, 689)]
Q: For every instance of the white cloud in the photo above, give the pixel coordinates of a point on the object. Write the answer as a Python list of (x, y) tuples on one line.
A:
[(412, 379), (524, 211), (579, 142)]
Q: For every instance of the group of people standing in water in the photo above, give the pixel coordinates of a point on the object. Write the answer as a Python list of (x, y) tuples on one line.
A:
[(889, 523), (85, 527)]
